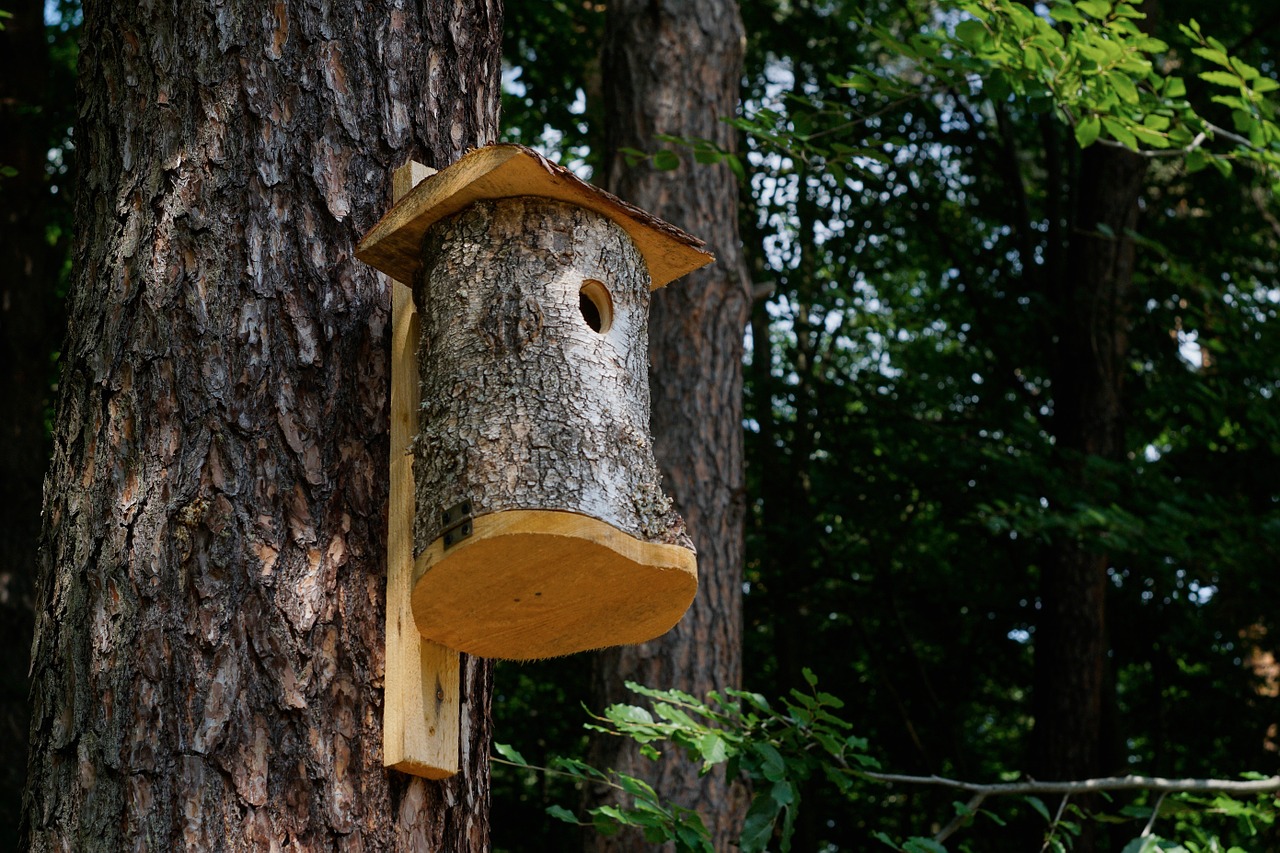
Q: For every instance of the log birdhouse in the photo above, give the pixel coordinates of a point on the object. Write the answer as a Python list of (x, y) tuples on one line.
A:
[(540, 527)]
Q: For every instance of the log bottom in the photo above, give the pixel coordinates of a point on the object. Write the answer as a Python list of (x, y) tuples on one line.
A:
[(531, 584)]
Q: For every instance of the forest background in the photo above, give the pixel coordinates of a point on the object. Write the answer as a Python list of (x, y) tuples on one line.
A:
[(935, 434)]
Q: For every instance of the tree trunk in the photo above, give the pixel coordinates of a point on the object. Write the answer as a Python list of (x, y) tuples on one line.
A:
[(28, 307), (675, 68), (1091, 302), (209, 648)]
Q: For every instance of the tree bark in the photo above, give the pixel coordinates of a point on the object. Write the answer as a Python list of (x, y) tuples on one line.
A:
[(675, 68), (209, 647), (524, 404), (28, 311)]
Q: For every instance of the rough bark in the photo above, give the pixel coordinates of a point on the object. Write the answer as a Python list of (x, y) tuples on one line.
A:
[(675, 68), (209, 648), (27, 338), (1091, 302), (525, 406)]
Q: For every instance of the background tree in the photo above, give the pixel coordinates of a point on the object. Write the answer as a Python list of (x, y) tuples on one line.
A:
[(958, 308), (208, 649), (972, 324), (675, 69), (36, 63)]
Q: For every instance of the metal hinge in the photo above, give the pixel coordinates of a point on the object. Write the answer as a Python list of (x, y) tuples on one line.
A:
[(457, 523)]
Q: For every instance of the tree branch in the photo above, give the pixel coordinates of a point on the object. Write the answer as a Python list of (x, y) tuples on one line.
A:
[(1110, 783)]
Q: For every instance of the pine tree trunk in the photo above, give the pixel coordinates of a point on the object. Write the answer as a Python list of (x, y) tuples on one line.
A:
[(675, 68), (209, 647), (27, 338)]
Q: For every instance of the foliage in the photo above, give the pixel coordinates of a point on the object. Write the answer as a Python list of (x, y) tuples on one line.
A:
[(776, 751), (1089, 62), (913, 222)]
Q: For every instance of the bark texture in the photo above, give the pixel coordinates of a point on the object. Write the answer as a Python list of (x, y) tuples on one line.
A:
[(675, 68), (525, 405), (27, 338), (209, 645)]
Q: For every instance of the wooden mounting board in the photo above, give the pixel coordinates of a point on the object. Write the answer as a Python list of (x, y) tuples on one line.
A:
[(507, 171), (420, 714), (532, 584)]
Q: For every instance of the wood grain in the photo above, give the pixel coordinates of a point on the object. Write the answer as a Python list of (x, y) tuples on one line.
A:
[(420, 708), (534, 584)]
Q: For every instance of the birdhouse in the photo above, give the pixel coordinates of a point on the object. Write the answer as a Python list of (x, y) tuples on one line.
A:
[(540, 525)]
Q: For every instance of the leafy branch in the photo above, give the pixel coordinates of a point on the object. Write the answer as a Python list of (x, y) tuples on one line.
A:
[(777, 750), (1089, 62)]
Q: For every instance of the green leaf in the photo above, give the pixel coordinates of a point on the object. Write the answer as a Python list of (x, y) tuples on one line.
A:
[(784, 793), (561, 813), (629, 713), (919, 844), (1038, 804), (1175, 87), (1221, 78), (1095, 8), (757, 829), (972, 33), (1196, 160), (1215, 56), (712, 749), (508, 752), (666, 160), (1124, 88), (773, 767), (1120, 133), (1087, 130)]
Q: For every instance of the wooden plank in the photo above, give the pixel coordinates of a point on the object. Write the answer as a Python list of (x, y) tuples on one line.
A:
[(506, 171), (420, 715), (533, 584)]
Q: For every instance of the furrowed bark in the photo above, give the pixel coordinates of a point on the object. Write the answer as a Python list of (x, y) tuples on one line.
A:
[(209, 647), (675, 68)]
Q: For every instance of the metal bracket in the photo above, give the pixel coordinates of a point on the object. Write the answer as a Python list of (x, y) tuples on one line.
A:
[(457, 523)]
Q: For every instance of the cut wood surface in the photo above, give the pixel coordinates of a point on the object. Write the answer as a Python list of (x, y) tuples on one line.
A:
[(535, 584), (507, 171), (420, 705)]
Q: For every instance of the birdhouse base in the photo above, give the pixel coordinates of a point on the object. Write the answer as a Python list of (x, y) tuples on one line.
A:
[(530, 584)]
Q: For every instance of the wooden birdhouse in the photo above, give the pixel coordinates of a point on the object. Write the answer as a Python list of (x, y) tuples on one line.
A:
[(540, 525)]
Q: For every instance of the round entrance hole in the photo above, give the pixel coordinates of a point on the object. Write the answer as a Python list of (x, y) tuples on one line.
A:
[(596, 305)]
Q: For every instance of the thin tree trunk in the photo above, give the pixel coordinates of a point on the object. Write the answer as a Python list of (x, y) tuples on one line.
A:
[(209, 649), (675, 68), (28, 308), (1091, 302)]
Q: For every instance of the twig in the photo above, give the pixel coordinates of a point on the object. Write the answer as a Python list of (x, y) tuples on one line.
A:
[(1053, 827), (970, 809), (1155, 813), (1112, 783)]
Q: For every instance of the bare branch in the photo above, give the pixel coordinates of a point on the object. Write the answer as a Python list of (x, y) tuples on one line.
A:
[(1111, 783), (970, 809)]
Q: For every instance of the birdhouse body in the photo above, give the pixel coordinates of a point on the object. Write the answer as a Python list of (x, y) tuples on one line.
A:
[(541, 527), (526, 406)]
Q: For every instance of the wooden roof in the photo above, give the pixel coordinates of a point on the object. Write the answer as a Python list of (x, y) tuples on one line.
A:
[(508, 171)]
